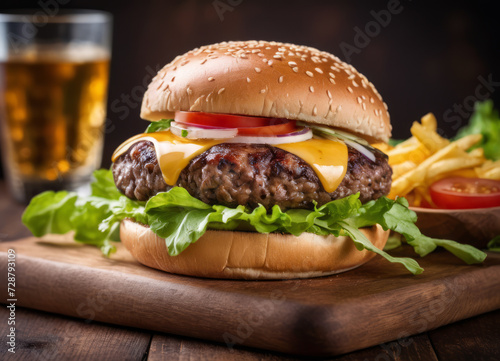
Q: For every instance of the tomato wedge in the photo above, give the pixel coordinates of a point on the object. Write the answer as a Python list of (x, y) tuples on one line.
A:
[(465, 193), (246, 125)]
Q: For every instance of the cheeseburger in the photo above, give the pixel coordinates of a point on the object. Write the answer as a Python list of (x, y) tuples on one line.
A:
[(257, 164), (257, 124)]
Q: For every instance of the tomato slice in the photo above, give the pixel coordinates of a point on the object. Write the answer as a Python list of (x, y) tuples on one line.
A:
[(465, 193), (246, 125)]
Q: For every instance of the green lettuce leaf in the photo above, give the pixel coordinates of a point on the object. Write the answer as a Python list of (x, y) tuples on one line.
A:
[(159, 126), (95, 219), (494, 244), (486, 121), (50, 212), (182, 219)]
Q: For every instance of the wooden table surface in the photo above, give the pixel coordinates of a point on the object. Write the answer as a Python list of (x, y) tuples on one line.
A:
[(46, 336)]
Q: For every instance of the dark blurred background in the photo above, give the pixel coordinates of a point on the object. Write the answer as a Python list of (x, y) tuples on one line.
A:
[(429, 56)]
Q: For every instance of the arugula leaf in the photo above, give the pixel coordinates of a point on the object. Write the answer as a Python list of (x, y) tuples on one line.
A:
[(159, 126)]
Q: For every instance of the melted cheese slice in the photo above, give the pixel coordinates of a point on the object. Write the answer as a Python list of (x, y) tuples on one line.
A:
[(326, 157)]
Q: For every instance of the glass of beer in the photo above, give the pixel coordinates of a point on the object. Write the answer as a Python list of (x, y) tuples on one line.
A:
[(54, 68)]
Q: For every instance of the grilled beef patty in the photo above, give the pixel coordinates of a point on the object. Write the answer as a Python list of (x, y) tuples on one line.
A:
[(250, 174)]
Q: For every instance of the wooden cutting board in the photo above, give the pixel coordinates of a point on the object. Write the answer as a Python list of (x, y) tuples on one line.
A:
[(374, 304)]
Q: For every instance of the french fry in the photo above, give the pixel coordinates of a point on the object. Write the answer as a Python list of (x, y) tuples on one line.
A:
[(451, 164), (468, 141), (424, 195), (383, 147), (426, 157), (409, 141), (415, 153), (416, 177), (399, 169), (431, 139), (478, 152), (489, 164), (492, 174), (429, 122)]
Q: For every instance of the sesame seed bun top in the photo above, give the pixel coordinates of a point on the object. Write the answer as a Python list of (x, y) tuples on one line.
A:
[(269, 79)]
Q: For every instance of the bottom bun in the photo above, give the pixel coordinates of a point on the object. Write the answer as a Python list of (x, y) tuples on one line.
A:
[(251, 255)]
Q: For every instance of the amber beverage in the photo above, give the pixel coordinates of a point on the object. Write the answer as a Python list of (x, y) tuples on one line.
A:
[(54, 113), (53, 108)]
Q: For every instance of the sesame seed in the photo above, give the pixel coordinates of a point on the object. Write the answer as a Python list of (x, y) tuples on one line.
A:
[(173, 78), (256, 51), (203, 61), (385, 106), (262, 91), (359, 100), (277, 56), (159, 85), (364, 106), (311, 89), (332, 80), (184, 62), (329, 94), (291, 54), (270, 62), (257, 70), (331, 75), (260, 54), (354, 83), (189, 91), (211, 78), (349, 89), (295, 69), (372, 100), (221, 90), (303, 58), (292, 63), (363, 83), (315, 110), (309, 73), (319, 70), (280, 80), (264, 60), (351, 76), (243, 56), (248, 80), (364, 98)]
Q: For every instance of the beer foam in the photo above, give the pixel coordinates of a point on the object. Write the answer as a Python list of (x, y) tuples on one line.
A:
[(69, 52)]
